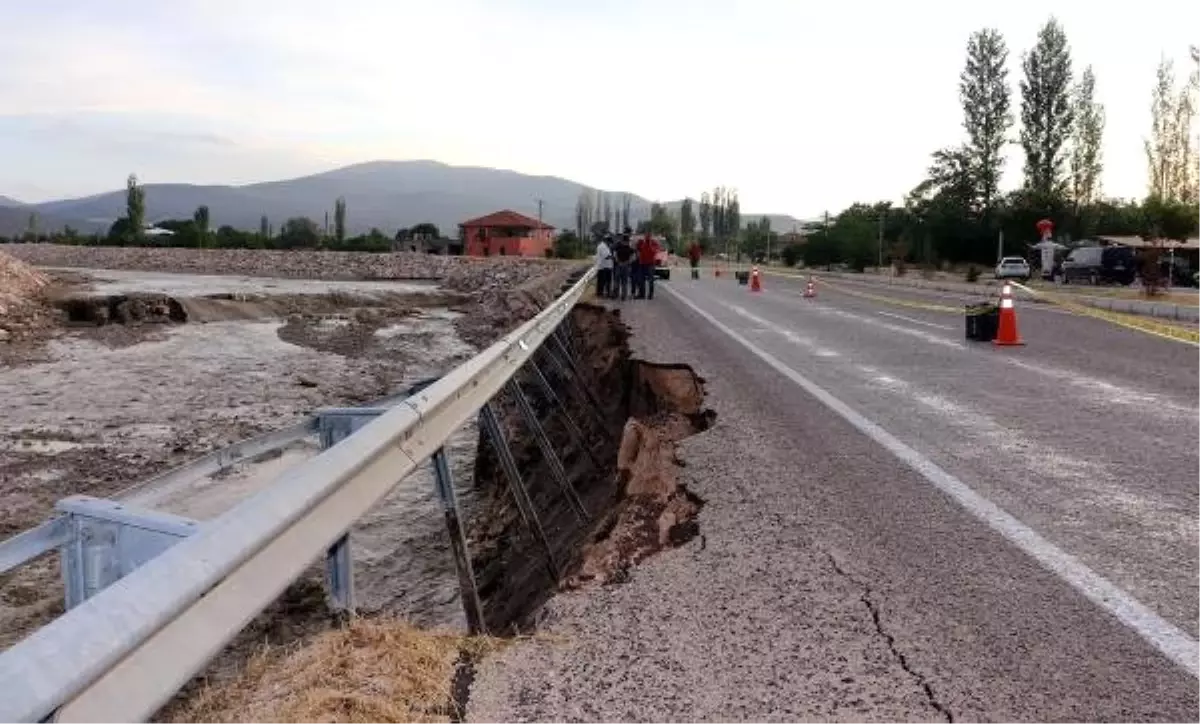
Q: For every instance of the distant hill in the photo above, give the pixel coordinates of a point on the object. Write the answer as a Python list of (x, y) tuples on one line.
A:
[(6, 201), (384, 194)]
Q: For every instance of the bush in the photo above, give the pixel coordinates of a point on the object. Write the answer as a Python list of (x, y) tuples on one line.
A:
[(972, 274)]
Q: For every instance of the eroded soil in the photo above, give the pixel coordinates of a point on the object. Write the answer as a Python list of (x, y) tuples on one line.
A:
[(634, 415)]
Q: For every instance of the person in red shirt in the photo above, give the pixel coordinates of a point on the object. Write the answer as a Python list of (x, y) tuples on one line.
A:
[(647, 250), (694, 252)]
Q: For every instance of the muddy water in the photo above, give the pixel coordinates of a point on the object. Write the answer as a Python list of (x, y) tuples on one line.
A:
[(95, 416), (114, 281)]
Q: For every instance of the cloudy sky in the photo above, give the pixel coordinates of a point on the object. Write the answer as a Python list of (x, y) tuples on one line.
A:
[(803, 106)]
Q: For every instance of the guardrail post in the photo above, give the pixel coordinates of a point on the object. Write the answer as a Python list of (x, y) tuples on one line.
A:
[(543, 442), (553, 398), (472, 605), (490, 423), (339, 575)]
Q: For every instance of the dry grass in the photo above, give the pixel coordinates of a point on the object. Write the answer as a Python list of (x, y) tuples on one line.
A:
[(371, 670)]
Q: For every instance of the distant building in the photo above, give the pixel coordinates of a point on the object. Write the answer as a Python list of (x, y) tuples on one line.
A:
[(506, 233)]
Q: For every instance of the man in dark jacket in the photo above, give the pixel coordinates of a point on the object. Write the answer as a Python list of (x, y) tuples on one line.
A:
[(624, 258), (694, 253)]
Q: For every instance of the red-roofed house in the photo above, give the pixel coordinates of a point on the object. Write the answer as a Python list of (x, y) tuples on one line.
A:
[(506, 233)]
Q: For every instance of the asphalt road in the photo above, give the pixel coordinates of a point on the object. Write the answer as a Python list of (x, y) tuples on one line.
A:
[(900, 525)]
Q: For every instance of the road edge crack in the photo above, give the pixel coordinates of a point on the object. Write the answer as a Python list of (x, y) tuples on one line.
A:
[(901, 659)]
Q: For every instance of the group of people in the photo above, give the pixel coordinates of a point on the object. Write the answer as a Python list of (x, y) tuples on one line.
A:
[(625, 267)]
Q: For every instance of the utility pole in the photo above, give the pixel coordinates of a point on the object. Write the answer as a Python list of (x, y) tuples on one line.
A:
[(1000, 246), (882, 213), (539, 210)]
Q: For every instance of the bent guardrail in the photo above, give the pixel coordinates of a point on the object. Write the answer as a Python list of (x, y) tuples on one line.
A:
[(123, 653)]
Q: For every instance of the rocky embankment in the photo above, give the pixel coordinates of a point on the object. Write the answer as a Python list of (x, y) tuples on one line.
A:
[(21, 291)]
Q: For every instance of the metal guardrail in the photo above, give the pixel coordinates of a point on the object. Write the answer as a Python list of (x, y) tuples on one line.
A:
[(123, 653)]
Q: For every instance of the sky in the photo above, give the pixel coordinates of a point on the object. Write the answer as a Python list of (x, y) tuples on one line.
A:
[(803, 106)]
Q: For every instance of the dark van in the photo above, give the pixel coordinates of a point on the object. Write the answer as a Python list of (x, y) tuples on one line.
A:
[(1096, 264)]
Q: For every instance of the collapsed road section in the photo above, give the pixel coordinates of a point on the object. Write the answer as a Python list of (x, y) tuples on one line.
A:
[(613, 422)]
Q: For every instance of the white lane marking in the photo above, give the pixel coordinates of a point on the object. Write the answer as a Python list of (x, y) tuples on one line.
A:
[(1157, 631), (929, 337), (915, 321), (788, 334)]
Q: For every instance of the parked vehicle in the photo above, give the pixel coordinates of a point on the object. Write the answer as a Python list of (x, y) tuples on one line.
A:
[(1097, 264), (662, 266), (1178, 270), (1013, 267)]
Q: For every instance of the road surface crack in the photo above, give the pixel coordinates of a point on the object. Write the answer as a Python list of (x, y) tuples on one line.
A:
[(888, 638)]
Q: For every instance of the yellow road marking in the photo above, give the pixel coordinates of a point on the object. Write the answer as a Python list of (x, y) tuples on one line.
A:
[(1129, 321), (1137, 323)]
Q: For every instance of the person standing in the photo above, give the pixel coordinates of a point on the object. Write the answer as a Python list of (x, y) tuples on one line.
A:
[(604, 267), (624, 259), (694, 253), (647, 260)]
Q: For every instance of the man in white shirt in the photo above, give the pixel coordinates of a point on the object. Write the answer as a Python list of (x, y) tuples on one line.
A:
[(604, 268)]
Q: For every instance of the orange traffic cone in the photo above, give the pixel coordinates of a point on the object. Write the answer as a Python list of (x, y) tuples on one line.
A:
[(1006, 333), (755, 284), (810, 291)]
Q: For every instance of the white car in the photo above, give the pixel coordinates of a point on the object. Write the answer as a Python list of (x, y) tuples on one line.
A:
[(1013, 267)]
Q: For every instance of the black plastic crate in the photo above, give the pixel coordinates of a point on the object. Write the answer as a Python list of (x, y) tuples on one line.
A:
[(982, 322)]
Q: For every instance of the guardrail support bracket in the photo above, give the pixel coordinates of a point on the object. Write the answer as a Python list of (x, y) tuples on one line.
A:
[(547, 448), (490, 424), (107, 541)]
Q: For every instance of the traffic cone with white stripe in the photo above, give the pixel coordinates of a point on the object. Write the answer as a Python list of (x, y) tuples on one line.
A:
[(1006, 332), (810, 290), (755, 284)]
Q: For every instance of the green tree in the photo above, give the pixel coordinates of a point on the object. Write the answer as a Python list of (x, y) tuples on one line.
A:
[(184, 232), (705, 215), (585, 214), (1170, 156), (264, 227), (568, 245), (299, 232), (687, 220), (201, 219), (792, 254), (1047, 114), (339, 219), (425, 229), (1168, 219), (984, 92), (121, 232), (31, 227), (732, 215), (1087, 136), (135, 208)]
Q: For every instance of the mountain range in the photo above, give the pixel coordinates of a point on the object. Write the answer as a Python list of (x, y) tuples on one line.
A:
[(385, 194)]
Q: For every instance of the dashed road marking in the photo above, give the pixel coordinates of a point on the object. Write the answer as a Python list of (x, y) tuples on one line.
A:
[(1173, 643), (915, 321)]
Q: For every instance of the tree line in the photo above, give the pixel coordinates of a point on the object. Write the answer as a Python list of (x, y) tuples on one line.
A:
[(299, 232), (957, 213)]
